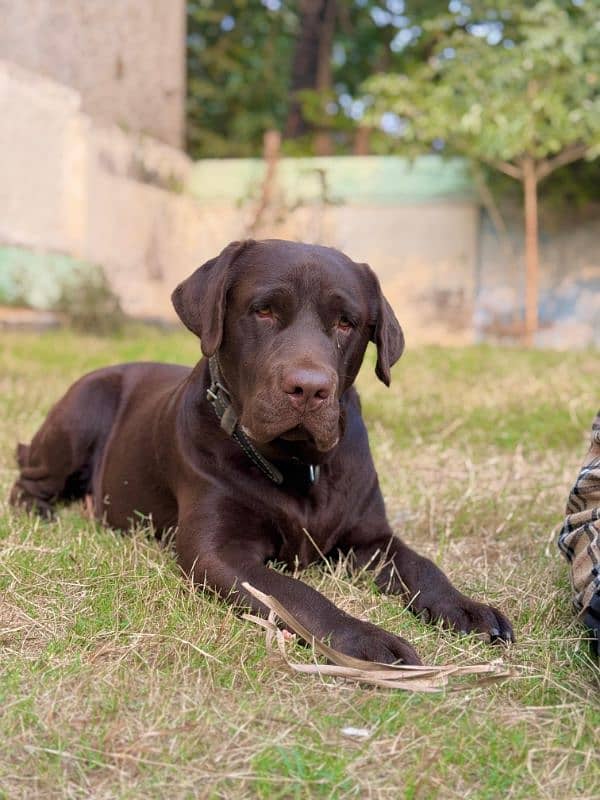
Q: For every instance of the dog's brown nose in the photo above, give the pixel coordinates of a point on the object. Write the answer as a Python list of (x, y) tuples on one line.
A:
[(307, 389)]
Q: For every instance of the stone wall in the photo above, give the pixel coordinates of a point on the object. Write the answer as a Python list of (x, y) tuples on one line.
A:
[(126, 58)]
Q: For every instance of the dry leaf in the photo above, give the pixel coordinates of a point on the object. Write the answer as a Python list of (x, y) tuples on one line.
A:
[(390, 676)]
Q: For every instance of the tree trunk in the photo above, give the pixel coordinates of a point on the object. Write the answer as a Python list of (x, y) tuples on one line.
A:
[(361, 141), (323, 143), (531, 249), (311, 66)]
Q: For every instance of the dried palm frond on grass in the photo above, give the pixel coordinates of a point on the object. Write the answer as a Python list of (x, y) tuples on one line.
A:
[(389, 676)]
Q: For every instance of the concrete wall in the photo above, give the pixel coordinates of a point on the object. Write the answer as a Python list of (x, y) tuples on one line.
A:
[(40, 150), (75, 191), (126, 58), (416, 223), (95, 193), (148, 216), (569, 298), (424, 256)]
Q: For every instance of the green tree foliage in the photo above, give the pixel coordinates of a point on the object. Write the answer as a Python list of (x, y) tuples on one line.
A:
[(502, 81), (512, 85), (371, 38), (240, 58), (238, 63)]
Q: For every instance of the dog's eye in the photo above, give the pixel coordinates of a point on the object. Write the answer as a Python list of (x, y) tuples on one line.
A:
[(343, 323), (264, 312)]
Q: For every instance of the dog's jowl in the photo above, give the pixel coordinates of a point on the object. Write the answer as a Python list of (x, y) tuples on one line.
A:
[(261, 441)]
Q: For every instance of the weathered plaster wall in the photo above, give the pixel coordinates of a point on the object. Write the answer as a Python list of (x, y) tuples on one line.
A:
[(148, 216), (569, 308), (93, 193), (40, 152), (125, 57), (415, 223), (71, 186)]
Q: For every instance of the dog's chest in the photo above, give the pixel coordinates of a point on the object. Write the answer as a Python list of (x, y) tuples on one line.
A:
[(310, 528)]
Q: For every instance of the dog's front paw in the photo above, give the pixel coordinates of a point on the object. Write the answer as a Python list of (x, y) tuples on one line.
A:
[(370, 643), (465, 616)]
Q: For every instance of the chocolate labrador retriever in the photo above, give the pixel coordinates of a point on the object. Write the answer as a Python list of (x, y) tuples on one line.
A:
[(258, 444)]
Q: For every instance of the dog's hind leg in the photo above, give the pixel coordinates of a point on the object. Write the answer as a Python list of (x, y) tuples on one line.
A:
[(59, 464)]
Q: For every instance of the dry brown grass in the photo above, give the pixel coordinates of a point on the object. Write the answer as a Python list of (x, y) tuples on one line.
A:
[(118, 680)]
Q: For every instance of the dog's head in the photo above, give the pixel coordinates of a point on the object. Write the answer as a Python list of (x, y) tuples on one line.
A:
[(290, 323)]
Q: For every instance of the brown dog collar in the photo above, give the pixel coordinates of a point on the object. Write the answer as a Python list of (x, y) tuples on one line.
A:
[(220, 399)]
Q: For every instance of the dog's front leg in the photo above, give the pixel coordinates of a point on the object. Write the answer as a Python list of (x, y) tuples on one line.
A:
[(224, 560), (428, 592)]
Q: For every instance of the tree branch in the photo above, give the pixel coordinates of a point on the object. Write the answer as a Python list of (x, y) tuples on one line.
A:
[(567, 156), (506, 167)]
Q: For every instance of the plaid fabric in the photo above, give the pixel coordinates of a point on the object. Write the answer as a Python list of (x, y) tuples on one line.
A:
[(579, 539)]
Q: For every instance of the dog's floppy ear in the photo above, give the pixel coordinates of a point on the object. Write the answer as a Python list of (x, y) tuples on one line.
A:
[(200, 299), (385, 330)]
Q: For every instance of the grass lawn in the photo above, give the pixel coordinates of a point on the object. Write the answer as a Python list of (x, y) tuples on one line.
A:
[(117, 680)]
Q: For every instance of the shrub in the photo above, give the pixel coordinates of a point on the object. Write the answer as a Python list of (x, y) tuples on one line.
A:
[(88, 303)]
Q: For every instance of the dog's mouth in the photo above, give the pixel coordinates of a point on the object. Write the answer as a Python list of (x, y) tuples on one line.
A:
[(296, 442), (299, 443), (297, 434)]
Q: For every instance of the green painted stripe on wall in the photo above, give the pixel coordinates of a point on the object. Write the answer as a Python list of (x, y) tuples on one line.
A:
[(34, 278), (348, 179)]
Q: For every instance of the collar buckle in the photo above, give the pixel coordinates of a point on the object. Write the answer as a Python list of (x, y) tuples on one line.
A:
[(216, 387)]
